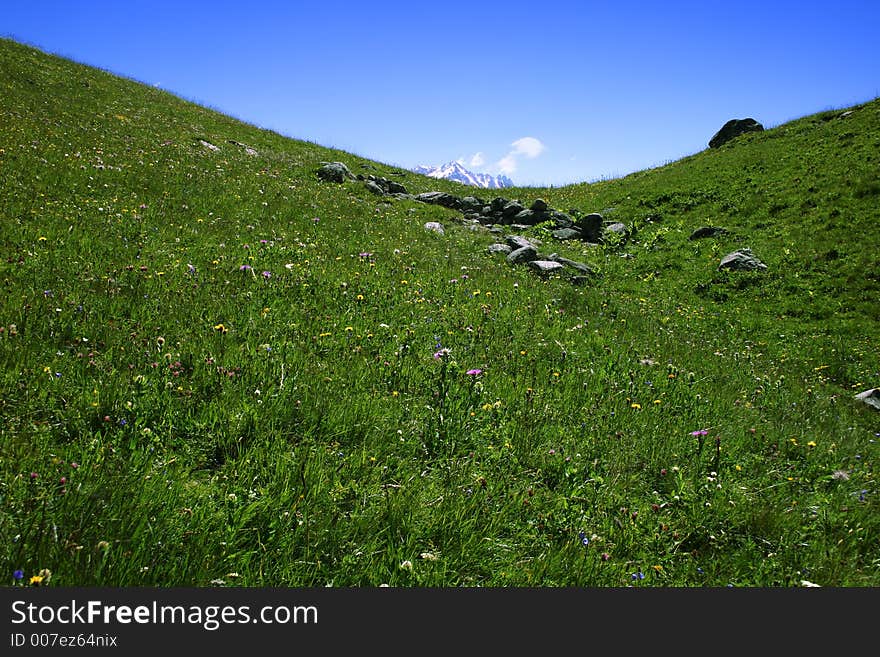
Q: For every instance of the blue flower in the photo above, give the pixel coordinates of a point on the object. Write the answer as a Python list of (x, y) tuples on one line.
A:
[(638, 575), (18, 574), (584, 539)]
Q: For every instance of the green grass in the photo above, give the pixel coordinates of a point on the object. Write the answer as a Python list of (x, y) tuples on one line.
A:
[(169, 419)]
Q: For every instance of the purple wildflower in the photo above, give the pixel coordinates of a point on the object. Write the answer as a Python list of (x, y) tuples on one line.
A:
[(245, 268), (267, 274), (700, 432), (18, 574), (474, 372)]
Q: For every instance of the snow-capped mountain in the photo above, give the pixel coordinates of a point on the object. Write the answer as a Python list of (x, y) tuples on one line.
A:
[(454, 171)]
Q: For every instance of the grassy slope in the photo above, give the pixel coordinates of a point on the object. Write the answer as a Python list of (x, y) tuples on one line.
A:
[(295, 430)]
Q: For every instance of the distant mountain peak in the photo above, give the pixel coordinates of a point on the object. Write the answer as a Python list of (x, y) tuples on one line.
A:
[(455, 171)]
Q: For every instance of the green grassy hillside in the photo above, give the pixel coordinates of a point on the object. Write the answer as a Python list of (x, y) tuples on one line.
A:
[(220, 370)]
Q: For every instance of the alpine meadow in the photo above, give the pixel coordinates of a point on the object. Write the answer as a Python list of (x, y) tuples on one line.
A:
[(221, 368)]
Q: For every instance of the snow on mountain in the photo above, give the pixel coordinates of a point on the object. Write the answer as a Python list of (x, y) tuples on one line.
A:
[(455, 171)]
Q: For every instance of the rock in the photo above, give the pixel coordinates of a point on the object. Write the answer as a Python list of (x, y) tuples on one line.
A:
[(590, 225), (567, 234), (209, 145), (617, 229), (522, 254), (334, 172), (539, 205), (499, 248), (579, 266), (518, 241), (436, 227), (870, 397), (440, 198), (579, 280), (374, 187), (732, 129), (546, 266), (707, 231), (247, 149), (741, 260), (472, 204)]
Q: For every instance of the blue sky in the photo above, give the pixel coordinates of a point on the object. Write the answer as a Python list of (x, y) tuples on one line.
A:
[(549, 93)]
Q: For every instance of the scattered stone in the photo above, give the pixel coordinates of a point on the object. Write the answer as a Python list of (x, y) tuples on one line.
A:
[(374, 187), (579, 266), (334, 172), (590, 226), (518, 242), (209, 145), (732, 129), (741, 260), (870, 397), (499, 248), (247, 149), (567, 234), (440, 198), (522, 254), (546, 267), (436, 227), (708, 231)]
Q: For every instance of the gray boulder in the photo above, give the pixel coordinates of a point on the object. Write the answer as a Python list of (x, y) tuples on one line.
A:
[(522, 254), (435, 227), (567, 234), (539, 205), (334, 172), (732, 129), (870, 397), (518, 242), (741, 260), (545, 267), (374, 187), (590, 225), (499, 248)]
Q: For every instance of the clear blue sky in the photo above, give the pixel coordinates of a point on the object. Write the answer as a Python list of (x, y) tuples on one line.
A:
[(548, 92)]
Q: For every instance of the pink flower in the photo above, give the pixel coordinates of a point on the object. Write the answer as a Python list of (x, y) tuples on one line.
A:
[(474, 372), (700, 432)]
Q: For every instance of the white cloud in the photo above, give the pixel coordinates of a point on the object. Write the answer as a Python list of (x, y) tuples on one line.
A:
[(477, 160), (528, 146), (507, 164), (524, 147)]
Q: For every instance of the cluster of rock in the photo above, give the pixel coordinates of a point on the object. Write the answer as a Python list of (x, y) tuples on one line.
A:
[(591, 228), (519, 250)]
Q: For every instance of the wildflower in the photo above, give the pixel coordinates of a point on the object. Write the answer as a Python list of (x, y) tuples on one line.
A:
[(812, 443), (160, 342), (221, 328), (406, 565), (474, 372), (365, 254), (267, 275), (583, 538), (605, 556), (638, 575), (441, 353), (36, 580), (18, 575), (700, 432), (34, 476), (245, 268), (635, 405)]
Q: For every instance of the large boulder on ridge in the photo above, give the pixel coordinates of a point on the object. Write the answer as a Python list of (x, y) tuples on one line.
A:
[(734, 128)]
